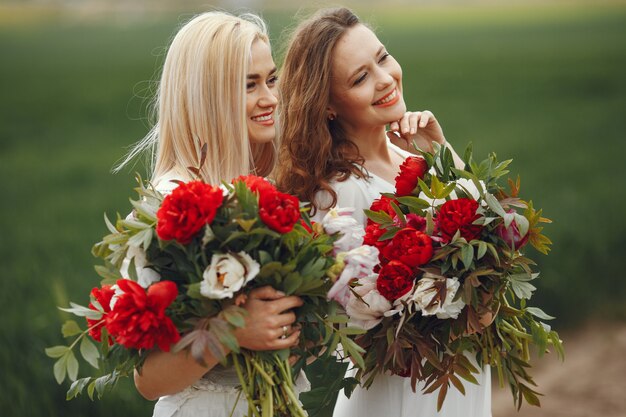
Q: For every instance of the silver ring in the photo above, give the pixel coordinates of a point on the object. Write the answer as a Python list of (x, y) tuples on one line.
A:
[(284, 335)]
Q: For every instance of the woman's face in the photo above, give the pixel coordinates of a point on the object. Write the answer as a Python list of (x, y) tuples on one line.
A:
[(261, 96), (366, 85)]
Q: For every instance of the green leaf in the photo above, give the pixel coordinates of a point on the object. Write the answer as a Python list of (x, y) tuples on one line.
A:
[(520, 285), (425, 189), (494, 205), (398, 212), (60, 369), (467, 255), (537, 312), (482, 249), (291, 283), (90, 389), (82, 311), (72, 366), (378, 217), (89, 352), (234, 317), (57, 351), (354, 351), (414, 202), (101, 384), (77, 387), (107, 273)]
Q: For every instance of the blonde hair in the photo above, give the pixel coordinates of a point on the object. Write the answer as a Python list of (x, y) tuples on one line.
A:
[(314, 150), (201, 99)]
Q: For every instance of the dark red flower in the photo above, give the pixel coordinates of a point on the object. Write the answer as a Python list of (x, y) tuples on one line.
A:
[(410, 247), (138, 319), (457, 215), (279, 211), (412, 220), (372, 233), (394, 280), (103, 297), (412, 169), (383, 204), (256, 184), (188, 209)]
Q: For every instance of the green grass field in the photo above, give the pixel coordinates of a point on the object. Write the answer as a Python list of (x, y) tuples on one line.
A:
[(543, 86)]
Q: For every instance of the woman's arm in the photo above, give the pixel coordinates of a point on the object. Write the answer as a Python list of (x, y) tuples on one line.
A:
[(422, 128), (166, 373)]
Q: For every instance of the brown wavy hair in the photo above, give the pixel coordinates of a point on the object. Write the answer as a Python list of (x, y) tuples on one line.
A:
[(313, 150)]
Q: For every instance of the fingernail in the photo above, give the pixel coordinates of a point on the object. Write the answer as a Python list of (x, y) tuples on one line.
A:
[(422, 124), (412, 130), (280, 293)]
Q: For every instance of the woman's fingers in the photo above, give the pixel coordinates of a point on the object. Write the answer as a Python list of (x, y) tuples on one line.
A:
[(287, 342), (285, 319), (404, 124), (266, 293), (284, 304), (424, 118), (396, 139)]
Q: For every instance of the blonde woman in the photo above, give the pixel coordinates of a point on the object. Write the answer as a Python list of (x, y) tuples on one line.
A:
[(339, 89), (218, 86)]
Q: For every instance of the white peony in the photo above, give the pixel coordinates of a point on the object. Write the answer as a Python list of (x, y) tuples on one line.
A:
[(227, 274), (399, 303), (368, 311), (340, 220), (359, 263), (425, 292), (145, 275)]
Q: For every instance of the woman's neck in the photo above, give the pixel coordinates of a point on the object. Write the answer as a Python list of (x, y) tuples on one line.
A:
[(372, 143)]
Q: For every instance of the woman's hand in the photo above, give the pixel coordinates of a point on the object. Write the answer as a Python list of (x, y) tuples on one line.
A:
[(269, 323), (421, 127)]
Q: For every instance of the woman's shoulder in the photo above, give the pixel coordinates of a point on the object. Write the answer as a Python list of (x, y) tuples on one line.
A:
[(355, 192), (166, 182)]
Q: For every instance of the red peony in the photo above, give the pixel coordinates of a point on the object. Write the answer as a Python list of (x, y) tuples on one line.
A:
[(410, 246), (412, 169), (188, 209), (383, 204), (372, 233), (394, 280), (103, 297), (456, 215), (138, 320), (279, 211), (256, 184)]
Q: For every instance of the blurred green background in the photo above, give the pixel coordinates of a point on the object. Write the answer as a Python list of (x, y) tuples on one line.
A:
[(542, 83)]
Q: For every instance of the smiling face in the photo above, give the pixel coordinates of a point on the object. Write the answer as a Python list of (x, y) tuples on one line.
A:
[(261, 94), (366, 86)]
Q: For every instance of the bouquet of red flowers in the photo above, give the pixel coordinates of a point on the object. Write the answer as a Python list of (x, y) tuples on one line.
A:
[(177, 271), (452, 279)]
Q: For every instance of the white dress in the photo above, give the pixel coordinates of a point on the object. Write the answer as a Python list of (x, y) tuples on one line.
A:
[(391, 395), (217, 392)]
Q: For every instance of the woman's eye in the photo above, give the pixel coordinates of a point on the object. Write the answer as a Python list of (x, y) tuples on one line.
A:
[(360, 79), (384, 57), (273, 80), (250, 85)]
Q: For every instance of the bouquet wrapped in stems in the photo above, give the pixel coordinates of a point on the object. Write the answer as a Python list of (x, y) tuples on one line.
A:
[(177, 270), (452, 280)]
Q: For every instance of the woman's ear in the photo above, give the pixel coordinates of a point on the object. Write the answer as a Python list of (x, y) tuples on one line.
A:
[(330, 113)]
